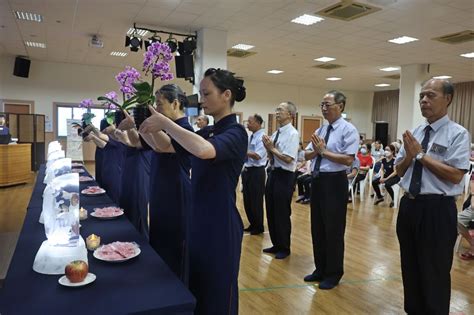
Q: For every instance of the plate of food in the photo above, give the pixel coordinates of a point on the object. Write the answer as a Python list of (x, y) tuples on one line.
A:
[(88, 279), (78, 170), (85, 179), (107, 213), (93, 191), (117, 252)]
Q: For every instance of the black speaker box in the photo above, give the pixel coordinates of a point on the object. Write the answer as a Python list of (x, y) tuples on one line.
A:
[(381, 132), (184, 66), (22, 67)]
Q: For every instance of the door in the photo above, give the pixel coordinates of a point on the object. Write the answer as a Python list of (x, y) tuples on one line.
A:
[(309, 124), (17, 108)]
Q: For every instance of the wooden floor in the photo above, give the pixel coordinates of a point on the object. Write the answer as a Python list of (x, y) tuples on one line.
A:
[(371, 284)]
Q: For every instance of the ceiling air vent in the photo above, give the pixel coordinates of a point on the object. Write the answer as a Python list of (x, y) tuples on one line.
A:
[(328, 66), (456, 38), (239, 53), (347, 11), (393, 77)]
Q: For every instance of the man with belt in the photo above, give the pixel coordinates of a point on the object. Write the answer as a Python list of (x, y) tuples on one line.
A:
[(282, 150), (253, 176), (432, 163), (332, 150)]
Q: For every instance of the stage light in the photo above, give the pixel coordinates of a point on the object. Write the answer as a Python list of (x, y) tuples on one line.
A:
[(187, 46), (172, 43), (134, 42)]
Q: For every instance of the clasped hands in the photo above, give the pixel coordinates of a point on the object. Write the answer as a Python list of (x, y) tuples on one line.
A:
[(154, 123), (319, 145), (268, 143), (411, 145)]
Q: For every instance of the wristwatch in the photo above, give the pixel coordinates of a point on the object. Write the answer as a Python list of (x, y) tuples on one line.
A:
[(419, 156)]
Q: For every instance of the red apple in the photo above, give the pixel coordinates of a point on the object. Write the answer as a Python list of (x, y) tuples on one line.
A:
[(76, 271)]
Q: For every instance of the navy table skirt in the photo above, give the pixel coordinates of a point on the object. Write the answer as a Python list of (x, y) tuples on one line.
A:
[(142, 285)]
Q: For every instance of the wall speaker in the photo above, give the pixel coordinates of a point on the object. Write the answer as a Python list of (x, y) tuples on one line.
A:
[(22, 67), (184, 66), (381, 132)]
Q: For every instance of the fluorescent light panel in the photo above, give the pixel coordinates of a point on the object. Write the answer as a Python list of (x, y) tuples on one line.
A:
[(468, 55), (140, 32), (333, 79), (307, 19), (325, 59), (275, 71), (27, 16), (243, 46), (35, 44), (382, 84), (118, 54), (388, 69), (403, 40), (442, 77)]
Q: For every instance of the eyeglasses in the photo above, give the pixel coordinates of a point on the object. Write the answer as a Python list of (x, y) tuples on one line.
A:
[(327, 105)]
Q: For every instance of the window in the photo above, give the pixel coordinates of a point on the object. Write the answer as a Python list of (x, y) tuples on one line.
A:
[(65, 112)]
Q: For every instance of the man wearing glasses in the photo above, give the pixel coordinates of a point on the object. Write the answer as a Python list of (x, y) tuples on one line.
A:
[(332, 150), (282, 150)]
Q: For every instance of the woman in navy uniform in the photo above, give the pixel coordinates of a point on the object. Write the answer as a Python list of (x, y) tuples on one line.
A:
[(170, 187), (216, 229)]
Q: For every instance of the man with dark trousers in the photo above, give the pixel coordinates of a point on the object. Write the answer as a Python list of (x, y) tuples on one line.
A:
[(432, 164), (282, 150), (253, 176), (332, 150)]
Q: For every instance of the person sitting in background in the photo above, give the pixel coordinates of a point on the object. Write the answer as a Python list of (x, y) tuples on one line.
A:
[(388, 177), (365, 160), (202, 121), (377, 151), (466, 222), (472, 153), (351, 173), (3, 127), (304, 182)]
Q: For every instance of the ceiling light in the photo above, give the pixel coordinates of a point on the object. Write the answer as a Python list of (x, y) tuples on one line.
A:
[(388, 69), (333, 79), (382, 84), (325, 59), (118, 54), (137, 31), (275, 71), (243, 46), (442, 77), (403, 40), (307, 19), (134, 42), (27, 16), (468, 55), (155, 38), (172, 43), (35, 45)]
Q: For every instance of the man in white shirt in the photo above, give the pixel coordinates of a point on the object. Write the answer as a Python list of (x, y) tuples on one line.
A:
[(253, 176), (282, 150)]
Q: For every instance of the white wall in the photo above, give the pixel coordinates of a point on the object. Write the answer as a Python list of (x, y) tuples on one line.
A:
[(50, 82)]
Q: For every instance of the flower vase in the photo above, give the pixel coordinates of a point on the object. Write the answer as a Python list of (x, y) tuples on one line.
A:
[(140, 113), (119, 116)]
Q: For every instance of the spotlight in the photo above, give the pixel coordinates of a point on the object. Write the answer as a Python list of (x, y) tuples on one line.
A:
[(172, 43), (155, 38), (134, 42), (187, 46)]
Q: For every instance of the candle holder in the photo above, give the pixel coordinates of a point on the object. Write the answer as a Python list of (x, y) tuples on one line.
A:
[(82, 214), (92, 242)]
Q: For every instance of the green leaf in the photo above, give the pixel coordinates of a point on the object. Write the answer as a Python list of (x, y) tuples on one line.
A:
[(103, 98), (143, 87)]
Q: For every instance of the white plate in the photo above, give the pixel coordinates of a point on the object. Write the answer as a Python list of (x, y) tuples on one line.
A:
[(84, 192), (106, 218), (137, 252), (86, 180), (65, 281)]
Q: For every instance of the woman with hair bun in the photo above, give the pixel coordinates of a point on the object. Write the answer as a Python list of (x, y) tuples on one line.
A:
[(215, 226)]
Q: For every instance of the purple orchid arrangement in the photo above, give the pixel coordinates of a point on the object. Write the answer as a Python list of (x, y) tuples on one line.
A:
[(126, 79), (157, 59), (88, 115)]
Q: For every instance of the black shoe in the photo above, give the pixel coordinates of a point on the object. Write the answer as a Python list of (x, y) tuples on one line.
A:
[(271, 250), (306, 201), (327, 285), (379, 200), (314, 277), (256, 232), (349, 200), (391, 204), (282, 254), (250, 228)]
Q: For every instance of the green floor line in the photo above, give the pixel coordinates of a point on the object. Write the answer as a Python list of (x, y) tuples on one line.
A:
[(315, 285)]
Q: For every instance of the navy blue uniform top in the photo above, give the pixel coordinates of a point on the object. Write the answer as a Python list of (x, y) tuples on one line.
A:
[(99, 153), (4, 131), (216, 227), (170, 194), (111, 170)]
